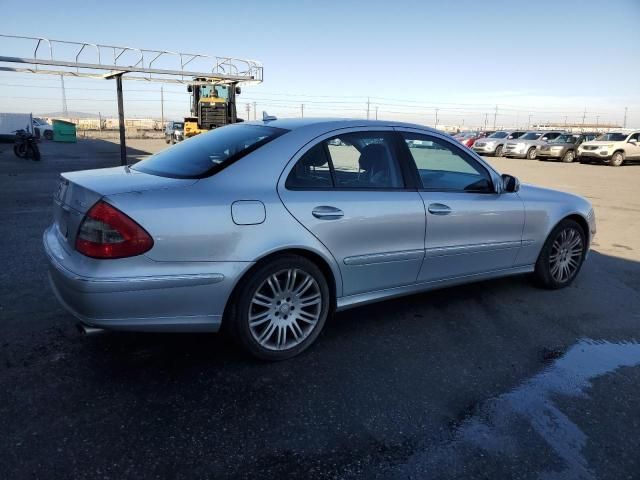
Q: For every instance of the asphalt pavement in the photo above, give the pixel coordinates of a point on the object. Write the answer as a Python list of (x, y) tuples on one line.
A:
[(497, 379)]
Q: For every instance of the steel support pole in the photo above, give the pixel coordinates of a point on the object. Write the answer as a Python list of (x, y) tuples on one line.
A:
[(123, 143)]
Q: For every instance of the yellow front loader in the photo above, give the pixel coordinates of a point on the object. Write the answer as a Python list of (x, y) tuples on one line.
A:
[(213, 105)]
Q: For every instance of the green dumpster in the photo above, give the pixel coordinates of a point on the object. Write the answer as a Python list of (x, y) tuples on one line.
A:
[(64, 131)]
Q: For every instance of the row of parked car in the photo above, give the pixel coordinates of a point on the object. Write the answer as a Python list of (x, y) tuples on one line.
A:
[(612, 148)]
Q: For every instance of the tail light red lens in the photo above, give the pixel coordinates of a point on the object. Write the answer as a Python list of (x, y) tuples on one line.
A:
[(106, 232)]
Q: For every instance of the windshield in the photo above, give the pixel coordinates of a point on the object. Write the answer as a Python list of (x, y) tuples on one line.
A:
[(498, 135), (531, 136), (178, 125), (467, 134), (565, 139), (207, 153), (612, 137)]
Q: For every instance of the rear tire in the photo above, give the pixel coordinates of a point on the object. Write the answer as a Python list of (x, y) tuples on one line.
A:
[(569, 157), (280, 308), (562, 255), (617, 159), (532, 153), (173, 140), (20, 150)]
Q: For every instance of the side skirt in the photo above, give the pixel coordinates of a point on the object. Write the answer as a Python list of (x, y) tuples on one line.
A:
[(350, 301)]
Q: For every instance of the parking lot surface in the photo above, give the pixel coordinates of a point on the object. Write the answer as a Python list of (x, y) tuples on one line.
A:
[(496, 379)]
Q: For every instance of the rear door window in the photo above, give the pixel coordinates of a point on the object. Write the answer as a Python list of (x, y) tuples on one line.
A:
[(361, 160)]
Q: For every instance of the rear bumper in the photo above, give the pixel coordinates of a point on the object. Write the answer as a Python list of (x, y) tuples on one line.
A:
[(161, 297)]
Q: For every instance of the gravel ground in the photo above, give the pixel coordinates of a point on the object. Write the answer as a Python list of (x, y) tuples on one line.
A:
[(492, 380)]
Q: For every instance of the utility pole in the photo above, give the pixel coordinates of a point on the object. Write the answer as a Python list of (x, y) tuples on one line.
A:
[(485, 120), (565, 121), (302, 110), (529, 123), (123, 142), (254, 110), (368, 106), (436, 118), (624, 123), (584, 115), (99, 121), (248, 111), (162, 105), (495, 115), (597, 121), (65, 111), (376, 112)]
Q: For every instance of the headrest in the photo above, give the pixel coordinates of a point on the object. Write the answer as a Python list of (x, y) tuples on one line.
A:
[(372, 155)]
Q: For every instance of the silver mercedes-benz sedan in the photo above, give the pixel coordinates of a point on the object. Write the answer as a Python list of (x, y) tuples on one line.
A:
[(268, 227)]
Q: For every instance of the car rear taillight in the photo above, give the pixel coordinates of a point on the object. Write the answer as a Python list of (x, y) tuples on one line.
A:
[(106, 232)]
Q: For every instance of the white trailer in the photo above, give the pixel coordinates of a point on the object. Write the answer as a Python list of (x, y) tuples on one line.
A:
[(10, 122)]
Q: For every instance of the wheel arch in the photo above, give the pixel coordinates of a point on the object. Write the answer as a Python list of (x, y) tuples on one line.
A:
[(335, 284), (579, 219)]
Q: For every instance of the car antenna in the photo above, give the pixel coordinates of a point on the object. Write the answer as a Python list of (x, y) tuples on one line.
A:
[(267, 118)]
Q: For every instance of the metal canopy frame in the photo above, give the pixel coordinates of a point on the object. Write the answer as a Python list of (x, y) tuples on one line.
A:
[(92, 60)]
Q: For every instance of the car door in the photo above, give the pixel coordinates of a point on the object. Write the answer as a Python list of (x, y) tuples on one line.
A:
[(471, 229), (349, 190), (633, 149)]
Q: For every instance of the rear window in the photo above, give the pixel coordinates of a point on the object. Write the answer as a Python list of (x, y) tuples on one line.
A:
[(208, 153)]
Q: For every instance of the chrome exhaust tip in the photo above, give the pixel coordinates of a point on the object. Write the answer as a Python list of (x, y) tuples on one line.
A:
[(85, 329)]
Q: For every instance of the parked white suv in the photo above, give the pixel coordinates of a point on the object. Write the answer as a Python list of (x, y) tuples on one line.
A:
[(612, 148)]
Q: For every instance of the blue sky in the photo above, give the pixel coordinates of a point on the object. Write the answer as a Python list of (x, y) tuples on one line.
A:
[(542, 58)]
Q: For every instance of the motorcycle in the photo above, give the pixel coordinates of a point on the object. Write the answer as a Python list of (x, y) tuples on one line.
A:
[(25, 145)]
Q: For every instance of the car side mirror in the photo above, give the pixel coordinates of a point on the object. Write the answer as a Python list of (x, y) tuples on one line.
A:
[(238, 90), (545, 138), (634, 141), (510, 184)]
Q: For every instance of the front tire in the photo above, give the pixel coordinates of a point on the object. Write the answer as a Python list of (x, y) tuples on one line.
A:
[(561, 256), (617, 159), (569, 157), (281, 308), (532, 153), (48, 135), (498, 152)]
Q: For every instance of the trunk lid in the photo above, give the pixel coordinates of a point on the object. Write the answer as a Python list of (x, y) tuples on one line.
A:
[(77, 192)]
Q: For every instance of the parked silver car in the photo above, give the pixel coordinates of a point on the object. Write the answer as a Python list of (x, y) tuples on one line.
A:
[(527, 145), (494, 143), (268, 227)]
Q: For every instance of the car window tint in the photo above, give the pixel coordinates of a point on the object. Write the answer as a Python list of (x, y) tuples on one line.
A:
[(444, 167), (311, 171), (208, 153), (364, 160)]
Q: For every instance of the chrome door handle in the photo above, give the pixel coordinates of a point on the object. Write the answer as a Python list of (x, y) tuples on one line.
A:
[(327, 213), (439, 209)]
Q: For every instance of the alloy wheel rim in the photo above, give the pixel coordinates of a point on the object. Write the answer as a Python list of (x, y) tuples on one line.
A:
[(566, 253), (285, 309)]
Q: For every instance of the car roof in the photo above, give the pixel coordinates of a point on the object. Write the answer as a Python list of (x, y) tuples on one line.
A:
[(334, 123)]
